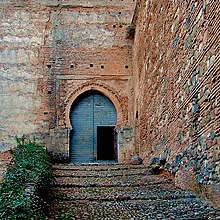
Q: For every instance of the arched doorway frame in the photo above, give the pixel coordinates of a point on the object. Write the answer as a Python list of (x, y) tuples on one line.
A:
[(107, 91), (102, 89)]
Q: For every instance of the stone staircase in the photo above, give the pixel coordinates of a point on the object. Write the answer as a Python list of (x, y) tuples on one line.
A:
[(114, 191)]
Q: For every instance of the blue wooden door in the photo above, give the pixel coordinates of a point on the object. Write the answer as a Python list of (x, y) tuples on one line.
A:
[(90, 111)]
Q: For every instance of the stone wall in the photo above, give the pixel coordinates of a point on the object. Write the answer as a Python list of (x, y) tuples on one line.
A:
[(52, 51), (21, 43), (176, 70)]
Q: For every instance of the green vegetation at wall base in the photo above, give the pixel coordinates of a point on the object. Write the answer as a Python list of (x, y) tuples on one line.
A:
[(23, 193)]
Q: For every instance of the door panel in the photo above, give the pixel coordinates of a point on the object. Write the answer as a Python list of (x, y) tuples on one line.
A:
[(90, 111), (82, 140)]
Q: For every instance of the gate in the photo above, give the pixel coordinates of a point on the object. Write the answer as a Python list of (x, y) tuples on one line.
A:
[(93, 118)]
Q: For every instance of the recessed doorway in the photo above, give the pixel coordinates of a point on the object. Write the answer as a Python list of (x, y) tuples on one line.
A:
[(106, 149), (93, 119)]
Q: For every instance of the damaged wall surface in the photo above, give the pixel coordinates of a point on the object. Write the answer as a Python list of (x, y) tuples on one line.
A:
[(50, 53)]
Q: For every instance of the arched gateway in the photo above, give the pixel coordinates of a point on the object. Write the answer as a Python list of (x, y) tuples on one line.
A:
[(93, 119)]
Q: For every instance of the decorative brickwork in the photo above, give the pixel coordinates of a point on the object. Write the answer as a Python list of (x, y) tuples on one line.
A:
[(122, 114)]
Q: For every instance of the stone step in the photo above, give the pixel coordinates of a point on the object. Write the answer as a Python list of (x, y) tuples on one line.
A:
[(162, 191), (101, 173), (96, 167), (119, 191), (109, 181), (180, 209)]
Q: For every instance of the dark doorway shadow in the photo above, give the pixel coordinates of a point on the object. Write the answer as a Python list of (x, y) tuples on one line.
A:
[(106, 143)]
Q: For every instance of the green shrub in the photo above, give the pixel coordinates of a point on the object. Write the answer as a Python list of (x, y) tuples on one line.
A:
[(24, 189)]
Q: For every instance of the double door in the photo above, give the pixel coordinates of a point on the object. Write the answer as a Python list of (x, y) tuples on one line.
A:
[(93, 118)]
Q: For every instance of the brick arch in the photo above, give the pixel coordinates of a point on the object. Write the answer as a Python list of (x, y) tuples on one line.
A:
[(105, 90)]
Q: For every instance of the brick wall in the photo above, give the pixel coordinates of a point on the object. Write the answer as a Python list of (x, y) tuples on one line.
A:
[(176, 70), (52, 51)]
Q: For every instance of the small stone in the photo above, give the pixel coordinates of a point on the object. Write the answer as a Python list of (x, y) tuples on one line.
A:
[(136, 160), (167, 166), (175, 169), (155, 160), (189, 196), (178, 159)]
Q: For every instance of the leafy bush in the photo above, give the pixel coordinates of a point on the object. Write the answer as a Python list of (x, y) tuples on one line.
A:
[(24, 189)]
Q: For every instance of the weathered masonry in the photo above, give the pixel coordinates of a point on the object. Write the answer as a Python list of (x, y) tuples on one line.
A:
[(177, 89), (54, 52)]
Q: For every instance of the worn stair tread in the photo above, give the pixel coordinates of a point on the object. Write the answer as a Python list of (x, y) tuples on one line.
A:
[(135, 209), (110, 181), (100, 174), (163, 191), (97, 167), (105, 171)]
